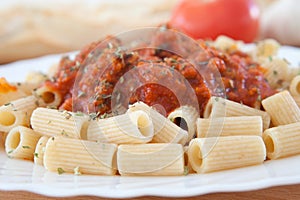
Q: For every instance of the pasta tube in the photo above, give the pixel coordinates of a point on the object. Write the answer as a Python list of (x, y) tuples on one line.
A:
[(80, 156), (52, 122), (277, 71), (267, 47), (187, 164), (282, 108), (17, 113), (21, 142), (282, 141), (220, 107), (220, 153), (3, 136), (49, 96), (40, 150), (229, 126), (185, 117), (165, 131), (9, 92), (295, 86), (134, 127), (155, 159)]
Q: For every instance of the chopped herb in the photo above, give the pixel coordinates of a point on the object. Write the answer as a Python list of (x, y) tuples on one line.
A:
[(26, 147), (49, 122), (60, 171), (52, 107), (52, 138), (172, 69), (63, 132), (19, 84), (10, 151), (270, 58), (186, 170), (173, 60), (93, 116), (275, 72), (217, 99), (36, 155), (78, 114), (105, 115), (7, 104)]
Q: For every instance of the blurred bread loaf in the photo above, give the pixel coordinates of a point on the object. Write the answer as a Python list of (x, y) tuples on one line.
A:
[(30, 28)]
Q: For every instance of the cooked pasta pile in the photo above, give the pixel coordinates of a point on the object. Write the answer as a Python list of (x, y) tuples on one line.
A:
[(143, 142)]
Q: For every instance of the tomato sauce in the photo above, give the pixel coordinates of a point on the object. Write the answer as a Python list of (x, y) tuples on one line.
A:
[(111, 77)]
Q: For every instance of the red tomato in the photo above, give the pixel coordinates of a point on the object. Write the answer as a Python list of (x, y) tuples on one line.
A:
[(238, 19)]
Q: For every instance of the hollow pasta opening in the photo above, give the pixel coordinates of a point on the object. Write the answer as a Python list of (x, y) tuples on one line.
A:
[(179, 121), (14, 140), (196, 157), (144, 125), (83, 131), (298, 87), (269, 144), (7, 118), (207, 110), (48, 97)]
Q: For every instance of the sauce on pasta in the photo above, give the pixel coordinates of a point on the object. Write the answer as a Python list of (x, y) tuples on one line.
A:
[(108, 66)]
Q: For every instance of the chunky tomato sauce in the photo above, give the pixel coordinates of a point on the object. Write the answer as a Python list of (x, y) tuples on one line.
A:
[(111, 77)]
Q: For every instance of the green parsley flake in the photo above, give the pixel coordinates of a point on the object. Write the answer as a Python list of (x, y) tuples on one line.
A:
[(186, 170), (79, 114), (26, 147), (36, 155), (10, 151), (60, 171)]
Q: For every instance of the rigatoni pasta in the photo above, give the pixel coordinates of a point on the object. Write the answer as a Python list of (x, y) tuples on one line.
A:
[(159, 159), (282, 141), (220, 153), (295, 86), (21, 142), (40, 150), (80, 157), (220, 107), (276, 72), (134, 127), (229, 126), (185, 117), (282, 108), (17, 113), (49, 96), (52, 122), (165, 131)]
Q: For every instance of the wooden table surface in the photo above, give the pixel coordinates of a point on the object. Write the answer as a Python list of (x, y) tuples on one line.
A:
[(290, 192)]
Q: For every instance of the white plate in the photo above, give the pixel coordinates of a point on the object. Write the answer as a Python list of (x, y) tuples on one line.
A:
[(24, 175)]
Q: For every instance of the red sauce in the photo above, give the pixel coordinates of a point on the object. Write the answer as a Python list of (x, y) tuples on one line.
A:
[(113, 76)]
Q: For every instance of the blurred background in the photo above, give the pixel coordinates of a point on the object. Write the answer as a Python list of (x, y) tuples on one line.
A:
[(30, 28)]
